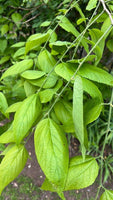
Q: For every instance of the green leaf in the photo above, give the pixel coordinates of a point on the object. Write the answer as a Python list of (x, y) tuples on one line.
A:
[(110, 45), (13, 108), (16, 17), (92, 110), (8, 136), (4, 59), (78, 111), (32, 74), (49, 81), (96, 74), (65, 70), (63, 111), (81, 173), (18, 44), (91, 4), (35, 41), (52, 151), (29, 88), (3, 45), (46, 95), (107, 195), (92, 89), (12, 164), (25, 117), (60, 46), (89, 58), (105, 26), (18, 68), (69, 27), (4, 29), (96, 34), (45, 24), (3, 104), (19, 52), (46, 61)]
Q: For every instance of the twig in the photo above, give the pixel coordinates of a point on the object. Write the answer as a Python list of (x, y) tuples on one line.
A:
[(31, 19), (106, 10)]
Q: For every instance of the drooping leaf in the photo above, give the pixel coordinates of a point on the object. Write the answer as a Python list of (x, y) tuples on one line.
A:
[(35, 41), (78, 111), (18, 68), (96, 34), (91, 4), (96, 74), (69, 27), (92, 110), (81, 173), (12, 164), (3, 104), (107, 195), (32, 74), (92, 89), (46, 61), (25, 117), (63, 111), (52, 151)]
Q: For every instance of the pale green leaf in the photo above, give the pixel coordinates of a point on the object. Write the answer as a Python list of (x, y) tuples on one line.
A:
[(8, 136), (46, 61), (12, 164), (92, 110), (81, 173), (46, 95), (3, 45), (4, 59), (45, 24), (92, 89), (32, 74), (91, 4), (105, 26), (3, 104), (78, 111), (16, 17), (52, 151), (13, 108), (29, 88), (18, 44), (63, 111), (4, 29), (25, 117), (96, 34), (69, 27), (19, 52), (18, 68), (35, 41), (96, 74), (107, 195), (49, 81), (89, 58), (65, 70), (110, 45)]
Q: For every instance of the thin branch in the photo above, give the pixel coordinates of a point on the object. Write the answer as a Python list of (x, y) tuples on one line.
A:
[(106, 10), (31, 19)]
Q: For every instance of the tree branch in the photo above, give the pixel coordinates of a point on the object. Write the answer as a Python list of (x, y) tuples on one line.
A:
[(106, 10)]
